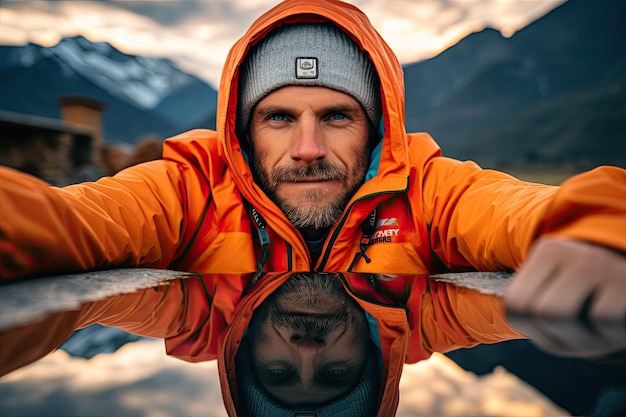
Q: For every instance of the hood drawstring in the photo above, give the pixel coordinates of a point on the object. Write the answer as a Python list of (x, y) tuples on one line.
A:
[(366, 238), (264, 237)]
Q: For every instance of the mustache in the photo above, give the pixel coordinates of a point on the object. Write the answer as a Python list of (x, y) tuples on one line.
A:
[(322, 171), (313, 325)]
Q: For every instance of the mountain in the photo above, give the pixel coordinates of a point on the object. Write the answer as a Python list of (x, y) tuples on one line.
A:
[(142, 95), (555, 92)]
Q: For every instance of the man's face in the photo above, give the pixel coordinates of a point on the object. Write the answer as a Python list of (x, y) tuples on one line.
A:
[(310, 152), (309, 341)]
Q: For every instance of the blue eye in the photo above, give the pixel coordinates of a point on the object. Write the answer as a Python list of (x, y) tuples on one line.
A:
[(338, 116), (276, 117), (276, 372), (337, 373)]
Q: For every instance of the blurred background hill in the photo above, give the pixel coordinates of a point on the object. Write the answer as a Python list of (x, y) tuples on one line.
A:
[(553, 93)]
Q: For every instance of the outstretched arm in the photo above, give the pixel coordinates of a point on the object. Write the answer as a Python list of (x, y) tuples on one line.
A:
[(132, 219), (567, 243)]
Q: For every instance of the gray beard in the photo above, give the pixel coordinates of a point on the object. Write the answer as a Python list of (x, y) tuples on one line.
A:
[(306, 215), (313, 291)]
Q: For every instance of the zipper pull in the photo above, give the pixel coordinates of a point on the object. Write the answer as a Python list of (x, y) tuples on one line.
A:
[(366, 238), (365, 242), (264, 237)]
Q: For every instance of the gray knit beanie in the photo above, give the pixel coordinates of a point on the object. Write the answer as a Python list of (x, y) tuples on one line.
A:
[(360, 401), (311, 55)]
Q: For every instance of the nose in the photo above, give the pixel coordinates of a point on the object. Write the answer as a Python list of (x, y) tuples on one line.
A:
[(308, 145), (307, 341), (307, 349)]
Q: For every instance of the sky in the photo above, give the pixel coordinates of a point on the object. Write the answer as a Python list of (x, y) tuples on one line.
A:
[(197, 34)]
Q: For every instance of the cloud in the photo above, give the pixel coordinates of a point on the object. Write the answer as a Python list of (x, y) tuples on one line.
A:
[(140, 380), (197, 34)]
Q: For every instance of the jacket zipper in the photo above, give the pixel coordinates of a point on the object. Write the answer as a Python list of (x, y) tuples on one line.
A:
[(335, 234), (264, 237), (264, 240), (366, 239)]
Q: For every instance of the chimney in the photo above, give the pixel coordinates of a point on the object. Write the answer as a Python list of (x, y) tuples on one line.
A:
[(86, 112)]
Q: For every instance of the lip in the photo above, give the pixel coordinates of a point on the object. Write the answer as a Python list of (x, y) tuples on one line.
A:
[(329, 307), (312, 311), (310, 181), (308, 185)]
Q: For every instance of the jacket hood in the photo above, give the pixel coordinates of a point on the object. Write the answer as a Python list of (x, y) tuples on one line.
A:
[(390, 167), (390, 164)]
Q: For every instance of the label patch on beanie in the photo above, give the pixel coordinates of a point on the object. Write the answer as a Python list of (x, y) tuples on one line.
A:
[(306, 68)]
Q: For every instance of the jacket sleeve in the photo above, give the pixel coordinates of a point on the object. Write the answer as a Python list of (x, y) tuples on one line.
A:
[(445, 317), (156, 312), (487, 220), (132, 219), (453, 317)]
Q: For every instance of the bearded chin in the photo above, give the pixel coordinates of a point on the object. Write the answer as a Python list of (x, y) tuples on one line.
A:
[(309, 214), (307, 211)]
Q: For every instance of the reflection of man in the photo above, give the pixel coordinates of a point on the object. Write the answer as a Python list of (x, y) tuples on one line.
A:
[(311, 169), (309, 346), (331, 344)]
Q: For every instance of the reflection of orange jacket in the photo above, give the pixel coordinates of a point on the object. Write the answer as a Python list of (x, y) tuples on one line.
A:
[(204, 318), (187, 211)]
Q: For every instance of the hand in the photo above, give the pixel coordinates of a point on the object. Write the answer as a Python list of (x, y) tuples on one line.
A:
[(562, 277), (596, 340)]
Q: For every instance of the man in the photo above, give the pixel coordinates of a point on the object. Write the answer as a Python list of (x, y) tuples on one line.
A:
[(311, 169)]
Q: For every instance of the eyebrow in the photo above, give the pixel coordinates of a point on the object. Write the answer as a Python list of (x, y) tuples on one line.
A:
[(267, 110), (343, 108), (319, 379), (264, 111), (329, 383), (289, 390)]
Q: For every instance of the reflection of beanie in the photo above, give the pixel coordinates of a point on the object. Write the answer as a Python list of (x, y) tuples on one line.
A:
[(307, 54), (361, 401)]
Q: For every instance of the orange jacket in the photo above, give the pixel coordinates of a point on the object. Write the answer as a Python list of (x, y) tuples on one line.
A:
[(189, 211)]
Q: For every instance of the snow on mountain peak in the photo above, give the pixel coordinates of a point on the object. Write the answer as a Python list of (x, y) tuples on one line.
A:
[(143, 81)]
